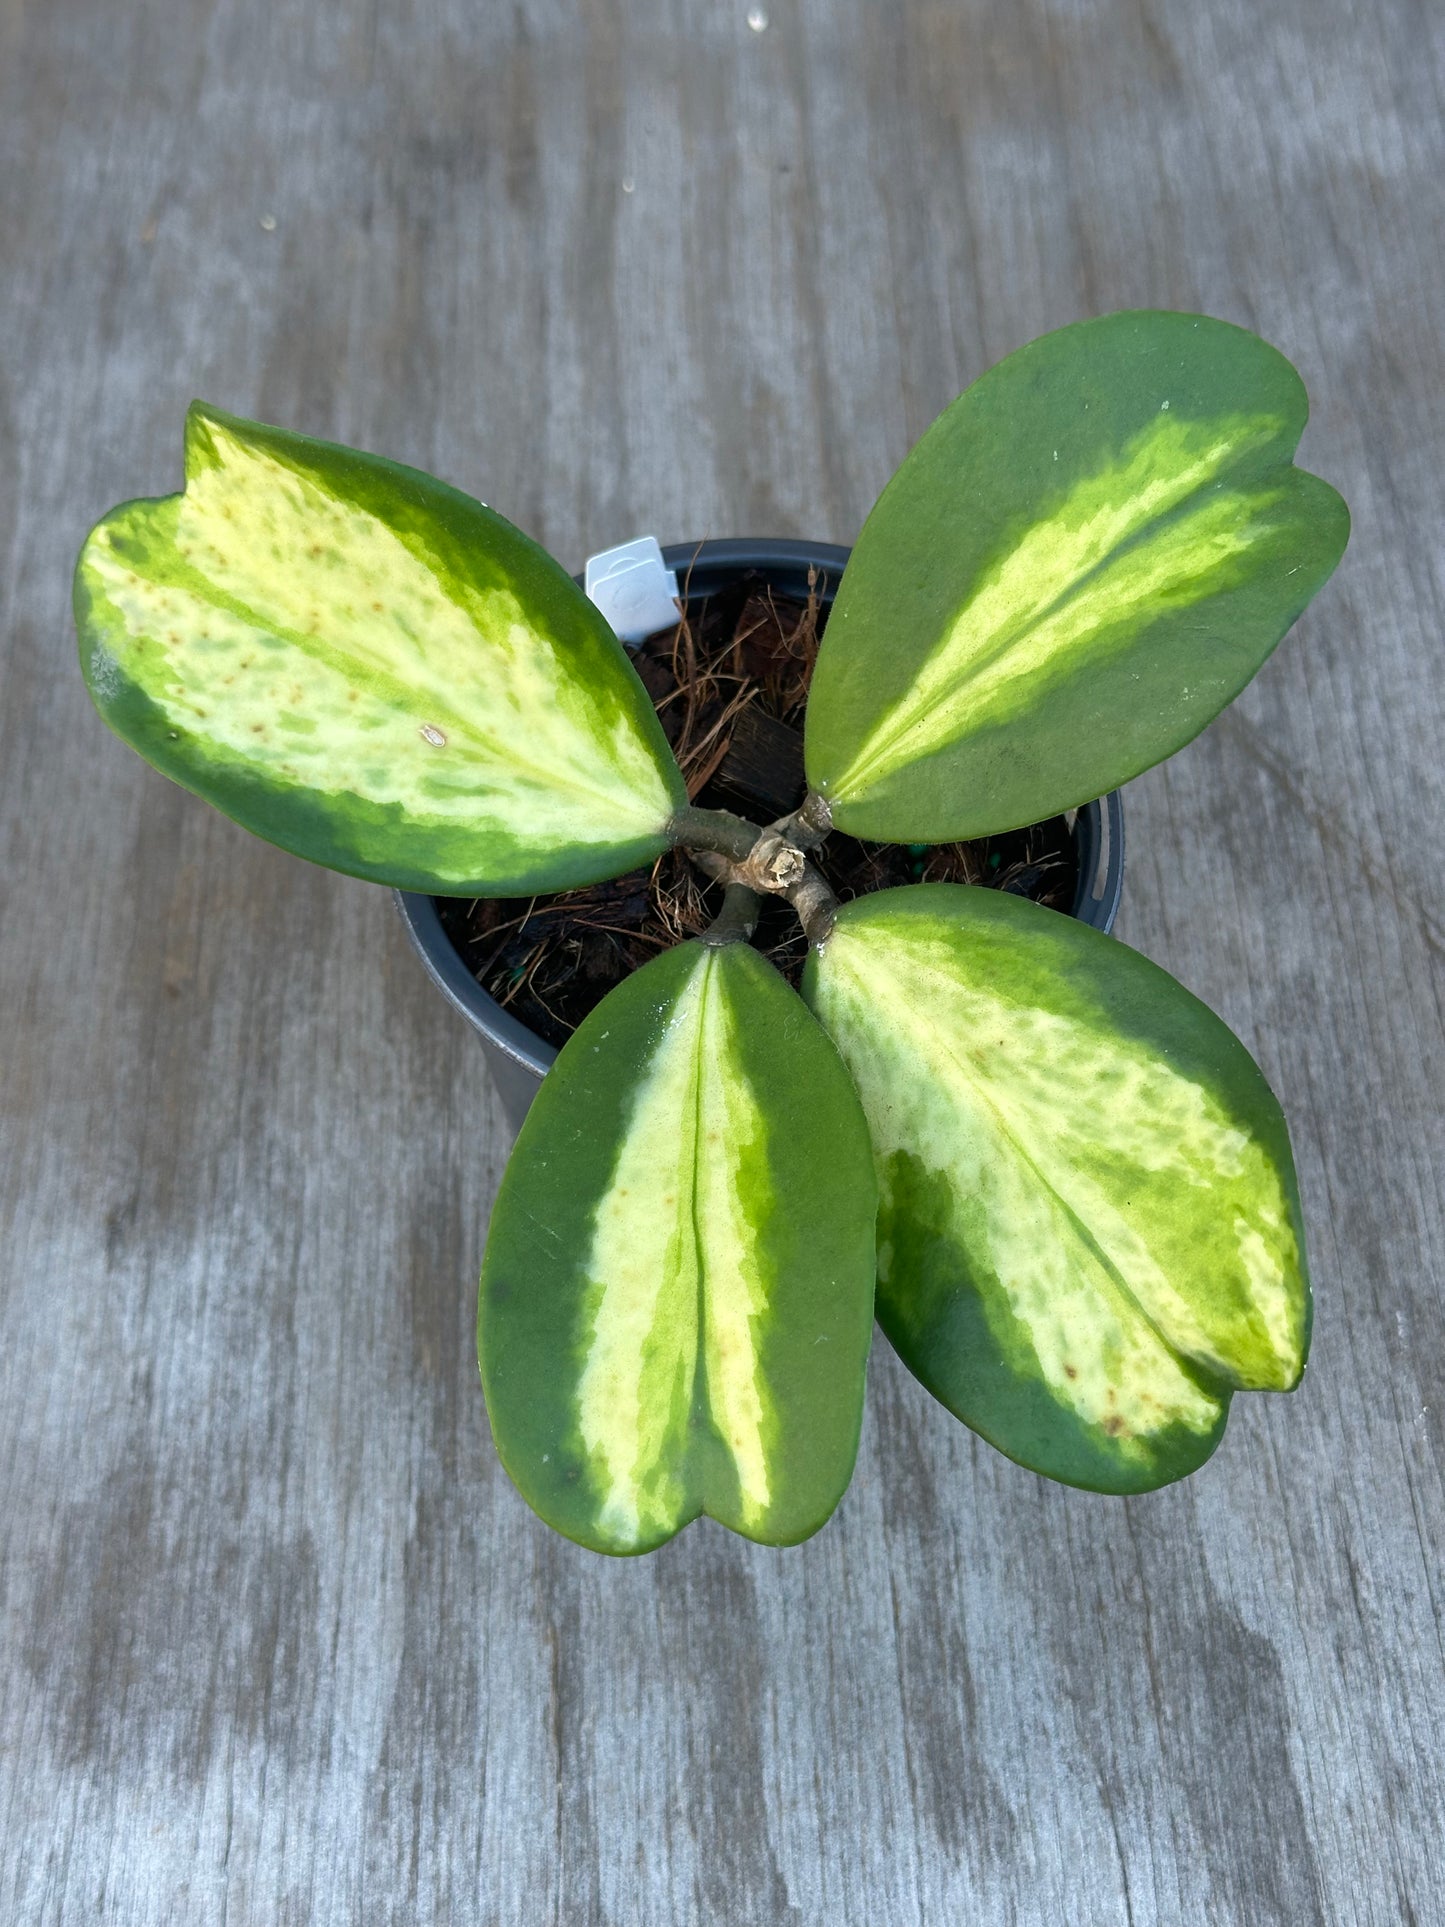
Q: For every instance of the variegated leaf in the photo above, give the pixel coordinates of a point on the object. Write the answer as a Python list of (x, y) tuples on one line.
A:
[(677, 1295), (1086, 557), (1089, 1229), (371, 669)]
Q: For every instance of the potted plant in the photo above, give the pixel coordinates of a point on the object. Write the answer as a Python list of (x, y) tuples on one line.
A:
[(726, 590), (1069, 1181)]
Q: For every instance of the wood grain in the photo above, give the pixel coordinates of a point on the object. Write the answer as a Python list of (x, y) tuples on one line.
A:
[(280, 1644)]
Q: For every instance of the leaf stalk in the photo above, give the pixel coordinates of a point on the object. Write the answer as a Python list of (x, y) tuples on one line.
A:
[(737, 919)]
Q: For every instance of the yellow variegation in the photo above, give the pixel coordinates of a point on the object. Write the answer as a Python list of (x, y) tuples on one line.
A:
[(1089, 1228), (1085, 558), (675, 1277), (677, 1294), (372, 670)]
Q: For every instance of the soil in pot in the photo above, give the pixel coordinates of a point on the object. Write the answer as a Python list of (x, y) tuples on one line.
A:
[(729, 683)]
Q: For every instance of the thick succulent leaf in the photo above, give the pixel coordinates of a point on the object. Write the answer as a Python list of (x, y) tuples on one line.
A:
[(677, 1295), (1086, 557), (1089, 1230), (371, 669)]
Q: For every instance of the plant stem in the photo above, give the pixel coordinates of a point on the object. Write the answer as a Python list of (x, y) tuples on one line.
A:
[(815, 905), (730, 836), (737, 919), (753, 861), (809, 824)]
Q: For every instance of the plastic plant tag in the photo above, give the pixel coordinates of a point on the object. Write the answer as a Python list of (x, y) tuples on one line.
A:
[(633, 589)]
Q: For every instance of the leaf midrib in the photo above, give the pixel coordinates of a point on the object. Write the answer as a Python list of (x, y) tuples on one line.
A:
[(701, 1396)]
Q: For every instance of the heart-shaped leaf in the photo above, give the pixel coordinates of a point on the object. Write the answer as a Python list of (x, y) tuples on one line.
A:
[(372, 670), (1088, 1226), (1086, 557), (677, 1296)]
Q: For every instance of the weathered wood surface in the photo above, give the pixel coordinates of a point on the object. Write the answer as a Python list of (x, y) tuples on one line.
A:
[(280, 1644)]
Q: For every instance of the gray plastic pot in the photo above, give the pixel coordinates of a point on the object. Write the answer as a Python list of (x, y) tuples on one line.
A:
[(518, 1057)]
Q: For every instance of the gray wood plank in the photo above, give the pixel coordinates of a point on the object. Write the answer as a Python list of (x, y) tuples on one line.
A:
[(280, 1644)]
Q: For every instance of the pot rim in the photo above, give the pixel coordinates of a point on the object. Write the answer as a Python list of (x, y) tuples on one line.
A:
[(702, 568)]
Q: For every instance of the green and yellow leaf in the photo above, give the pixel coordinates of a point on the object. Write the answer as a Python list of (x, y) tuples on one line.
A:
[(677, 1296), (1089, 1229), (372, 670), (1086, 557)]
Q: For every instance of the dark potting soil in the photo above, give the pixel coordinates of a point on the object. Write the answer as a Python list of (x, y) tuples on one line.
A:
[(729, 685)]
